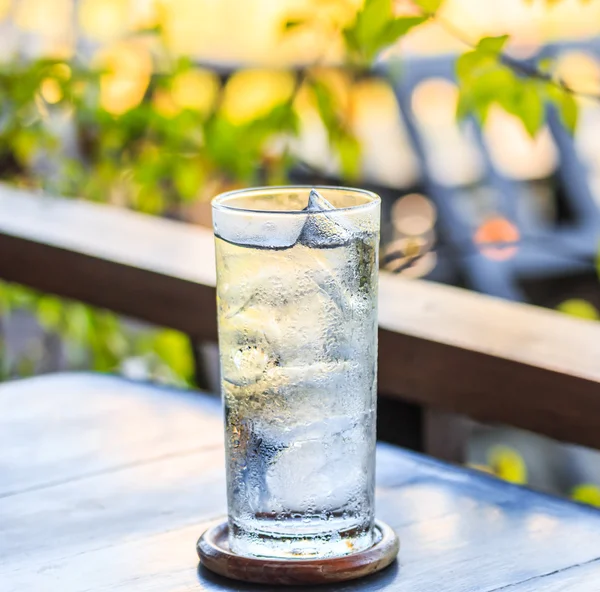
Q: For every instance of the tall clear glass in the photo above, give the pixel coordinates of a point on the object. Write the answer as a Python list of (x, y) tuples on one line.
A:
[(297, 305)]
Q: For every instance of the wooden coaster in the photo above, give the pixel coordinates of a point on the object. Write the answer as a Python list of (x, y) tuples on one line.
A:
[(213, 550)]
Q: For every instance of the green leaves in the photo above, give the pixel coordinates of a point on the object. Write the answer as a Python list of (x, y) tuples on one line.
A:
[(174, 350), (341, 138), (484, 80), (528, 105), (429, 6), (566, 106), (492, 45), (349, 152), (374, 28), (486, 77)]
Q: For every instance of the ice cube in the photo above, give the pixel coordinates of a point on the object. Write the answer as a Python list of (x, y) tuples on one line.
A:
[(247, 344), (257, 230), (321, 231), (317, 203), (321, 467)]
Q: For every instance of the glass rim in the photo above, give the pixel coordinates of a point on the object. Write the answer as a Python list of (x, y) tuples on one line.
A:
[(217, 201)]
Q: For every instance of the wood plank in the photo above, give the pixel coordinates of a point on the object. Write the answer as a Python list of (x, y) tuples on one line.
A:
[(152, 269), (134, 527), (440, 346), (167, 562), (91, 413), (492, 360), (579, 578), (101, 510)]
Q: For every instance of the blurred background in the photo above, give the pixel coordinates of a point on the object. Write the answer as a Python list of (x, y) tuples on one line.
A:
[(158, 105)]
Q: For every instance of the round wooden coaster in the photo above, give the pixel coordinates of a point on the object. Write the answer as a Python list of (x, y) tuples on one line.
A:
[(213, 550)]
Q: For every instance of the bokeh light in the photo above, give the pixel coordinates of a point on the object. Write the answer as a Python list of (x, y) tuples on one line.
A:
[(49, 24), (162, 101), (580, 71), (249, 94), (514, 152), (42, 16), (451, 154), (434, 102), (104, 19), (388, 156), (128, 66), (5, 6), (413, 215), (497, 238), (196, 89), (51, 91), (312, 144), (529, 23)]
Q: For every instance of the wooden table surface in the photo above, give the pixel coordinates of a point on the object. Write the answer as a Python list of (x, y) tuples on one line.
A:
[(106, 484)]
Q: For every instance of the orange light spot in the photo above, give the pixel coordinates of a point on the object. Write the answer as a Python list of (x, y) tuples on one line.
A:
[(497, 238)]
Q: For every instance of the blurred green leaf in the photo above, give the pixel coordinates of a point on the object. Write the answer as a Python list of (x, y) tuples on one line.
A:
[(482, 82), (21, 297), (188, 179), (5, 300), (397, 28), (531, 109), (107, 340), (174, 349), (429, 6), (349, 151), (342, 140), (577, 307), (528, 105), (567, 109), (493, 45), (375, 28), (485, 80), (49, 312), (77, 323), (326, 103), (473, 63)]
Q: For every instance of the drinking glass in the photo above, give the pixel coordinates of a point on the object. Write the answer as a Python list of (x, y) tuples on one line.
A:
[(297, 312)]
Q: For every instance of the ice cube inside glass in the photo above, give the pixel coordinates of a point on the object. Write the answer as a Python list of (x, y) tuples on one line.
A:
[(297, 311)]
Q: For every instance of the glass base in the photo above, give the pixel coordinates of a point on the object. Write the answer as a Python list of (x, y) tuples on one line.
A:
[(298, 541)]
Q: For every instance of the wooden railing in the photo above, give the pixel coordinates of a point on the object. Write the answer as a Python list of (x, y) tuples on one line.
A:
[(440, 347)]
